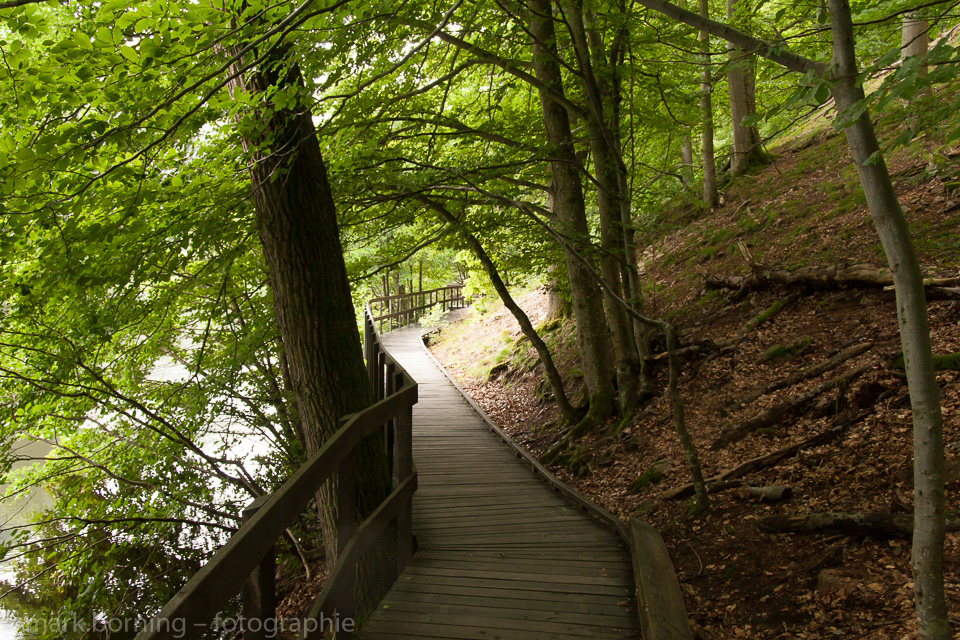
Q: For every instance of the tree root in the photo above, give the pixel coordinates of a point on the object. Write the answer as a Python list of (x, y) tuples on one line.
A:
[(725, 480), (805, 374)]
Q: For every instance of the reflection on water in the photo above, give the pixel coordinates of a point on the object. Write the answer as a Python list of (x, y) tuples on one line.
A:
[(16, 512)]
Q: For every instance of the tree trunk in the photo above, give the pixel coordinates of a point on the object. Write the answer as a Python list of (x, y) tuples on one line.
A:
[(914, 41), (543, 352), (891, 225), (710, 194), (602, 91), (914, 38), (570, 211), (741, 83), (296, 221), (686, 161), (880, 525)]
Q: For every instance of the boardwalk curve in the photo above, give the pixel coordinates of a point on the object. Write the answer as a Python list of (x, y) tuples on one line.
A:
[(501, 556)]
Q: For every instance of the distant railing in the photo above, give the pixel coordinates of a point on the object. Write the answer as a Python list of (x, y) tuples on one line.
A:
[(248, 556), (407, 308)]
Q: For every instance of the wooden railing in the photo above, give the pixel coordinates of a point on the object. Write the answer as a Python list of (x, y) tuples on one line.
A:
[(406, 308), (248, 556)]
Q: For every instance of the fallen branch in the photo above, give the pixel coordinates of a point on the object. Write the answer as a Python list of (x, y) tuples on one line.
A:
[(796, 404), (709, 347), (829, 277), (805, 374), (884, 525), (765, 494), (723, 480)]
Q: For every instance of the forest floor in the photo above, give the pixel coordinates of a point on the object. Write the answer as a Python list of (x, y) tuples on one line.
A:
[(739, 581)]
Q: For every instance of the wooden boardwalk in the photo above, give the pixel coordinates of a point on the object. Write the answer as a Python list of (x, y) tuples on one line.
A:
[(501, 556)]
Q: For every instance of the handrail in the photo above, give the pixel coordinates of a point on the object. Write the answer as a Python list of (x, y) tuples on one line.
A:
[(190, 611), (404, 309)]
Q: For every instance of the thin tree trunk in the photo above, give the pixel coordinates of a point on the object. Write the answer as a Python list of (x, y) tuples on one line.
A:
[(686, 161), (891, 225), (569, 414), (570, 211), (914, 41), (707, 159)]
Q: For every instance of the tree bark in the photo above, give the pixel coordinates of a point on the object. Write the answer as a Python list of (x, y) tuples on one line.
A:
[(805, 374), (914, 38), (793, 405), (707, 158), (884, 525), (686, 161), (826, 277), (765, 461), (891, 225), (570, 211)]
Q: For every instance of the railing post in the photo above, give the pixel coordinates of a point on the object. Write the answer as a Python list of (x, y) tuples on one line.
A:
[(403, 453), (380, 389), (388, 439), (259, 591), (346, 599), (370, 352)]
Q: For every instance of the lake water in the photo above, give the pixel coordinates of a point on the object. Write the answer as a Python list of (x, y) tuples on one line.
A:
[(15, 513)]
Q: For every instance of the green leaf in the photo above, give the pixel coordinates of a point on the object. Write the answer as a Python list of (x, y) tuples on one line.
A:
[(130, 54)]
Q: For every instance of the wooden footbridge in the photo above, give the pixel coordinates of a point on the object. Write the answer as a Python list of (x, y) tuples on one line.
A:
[(503, 550), (500, 554)]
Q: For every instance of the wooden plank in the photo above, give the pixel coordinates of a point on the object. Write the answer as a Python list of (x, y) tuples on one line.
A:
[(663, 615), (510, 572), (416, 620), (512, 583), (488, 608), (573, 605), (557, 599)]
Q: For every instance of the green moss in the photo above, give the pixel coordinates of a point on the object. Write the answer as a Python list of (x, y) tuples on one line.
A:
[(949, 362), (550, 325), (784, 351), (650, 477)]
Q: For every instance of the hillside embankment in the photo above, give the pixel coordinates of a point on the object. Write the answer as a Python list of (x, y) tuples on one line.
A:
[(801, 414)]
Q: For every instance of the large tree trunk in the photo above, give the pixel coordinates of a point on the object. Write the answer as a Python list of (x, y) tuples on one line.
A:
[(296, 221), (710, 194), (741, 84), (929, 509), (570, 212)]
